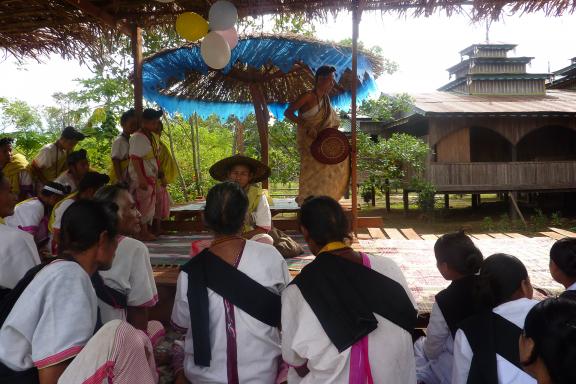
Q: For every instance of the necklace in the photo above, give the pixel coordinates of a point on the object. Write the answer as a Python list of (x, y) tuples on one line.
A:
[(225, 239)]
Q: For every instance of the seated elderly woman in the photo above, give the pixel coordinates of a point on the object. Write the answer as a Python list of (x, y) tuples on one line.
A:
[(348, 317), (228, 299)]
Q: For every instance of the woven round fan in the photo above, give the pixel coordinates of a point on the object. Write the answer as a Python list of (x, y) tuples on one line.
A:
[(330, 146)]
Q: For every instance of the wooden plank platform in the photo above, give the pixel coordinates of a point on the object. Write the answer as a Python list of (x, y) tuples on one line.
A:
[(564, 232), (480, 236), (376, 233), (410, 234), (516, 235), (394, 234), (553, 235), (498, 235), (429, 237)]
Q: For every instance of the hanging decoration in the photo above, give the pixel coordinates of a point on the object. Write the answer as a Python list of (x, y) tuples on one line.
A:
[(231, 37), (216, 46), (191, 26), (215, 50), (223, 15)]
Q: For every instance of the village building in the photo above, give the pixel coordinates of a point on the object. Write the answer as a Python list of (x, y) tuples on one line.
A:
[(495, 128), (564, 78)]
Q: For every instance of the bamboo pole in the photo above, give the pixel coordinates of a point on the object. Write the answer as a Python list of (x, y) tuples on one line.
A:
[(198, 163), (194, 157), (136, 45), (356, 15), (262, 117), (171, 141)]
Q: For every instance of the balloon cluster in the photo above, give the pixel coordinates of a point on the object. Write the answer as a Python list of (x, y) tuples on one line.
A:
[(216, 45)]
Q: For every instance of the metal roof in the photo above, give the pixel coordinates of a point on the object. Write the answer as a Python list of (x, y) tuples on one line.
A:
[(554, 102), (490, 60), (471, 48), (493, 76), (565, 70)]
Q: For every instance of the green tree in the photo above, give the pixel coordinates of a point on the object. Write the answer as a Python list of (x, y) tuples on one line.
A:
[(19, 115), (386, 107)]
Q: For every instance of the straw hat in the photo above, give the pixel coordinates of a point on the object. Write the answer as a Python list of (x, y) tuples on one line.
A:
[(220, 169), (330, 146)]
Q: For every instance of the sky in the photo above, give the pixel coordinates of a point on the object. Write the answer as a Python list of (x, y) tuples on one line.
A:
[(424, 48)]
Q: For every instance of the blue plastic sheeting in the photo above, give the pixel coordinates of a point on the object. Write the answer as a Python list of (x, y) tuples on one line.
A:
[(254, 52)]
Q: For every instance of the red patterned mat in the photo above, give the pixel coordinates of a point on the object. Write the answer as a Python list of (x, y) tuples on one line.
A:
[(417, 261)]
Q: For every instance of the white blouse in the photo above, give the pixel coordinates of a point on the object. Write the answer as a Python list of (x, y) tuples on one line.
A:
[(513, 311), (304, 340), (258, 344)]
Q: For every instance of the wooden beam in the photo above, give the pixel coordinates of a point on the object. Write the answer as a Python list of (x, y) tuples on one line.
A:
[(136, 45), (356, 15), (90, 9)]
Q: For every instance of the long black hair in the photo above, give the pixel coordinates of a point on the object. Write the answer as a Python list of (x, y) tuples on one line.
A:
[(226, 207), (324, 219), (501, 275), (551, 324), (459, 252), (83, 223)]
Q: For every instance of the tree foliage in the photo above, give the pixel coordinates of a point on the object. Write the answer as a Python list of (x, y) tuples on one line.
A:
[(386, 107)]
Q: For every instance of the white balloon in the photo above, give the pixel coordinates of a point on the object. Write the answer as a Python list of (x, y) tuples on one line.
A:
[(222, 15), (230, 35), (215, 50)]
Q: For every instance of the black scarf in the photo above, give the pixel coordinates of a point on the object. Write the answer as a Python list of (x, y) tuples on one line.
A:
[(345, 295), (207, 270), (490, 334), (568, 294), (457, 302), (110, 296)]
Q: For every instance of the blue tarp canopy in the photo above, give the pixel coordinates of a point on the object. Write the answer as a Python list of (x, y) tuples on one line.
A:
[(280, 67)]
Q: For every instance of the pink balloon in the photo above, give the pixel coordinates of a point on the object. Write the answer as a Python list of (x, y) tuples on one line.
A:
[(230, 35)]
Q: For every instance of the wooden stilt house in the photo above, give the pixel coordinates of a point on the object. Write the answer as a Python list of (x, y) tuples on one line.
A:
[(495, 127)]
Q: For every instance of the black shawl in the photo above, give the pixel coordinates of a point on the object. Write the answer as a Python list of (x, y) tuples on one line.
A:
[(457, 302)]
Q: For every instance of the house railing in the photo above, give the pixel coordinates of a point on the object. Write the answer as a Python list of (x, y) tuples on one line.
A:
[(507, 176)]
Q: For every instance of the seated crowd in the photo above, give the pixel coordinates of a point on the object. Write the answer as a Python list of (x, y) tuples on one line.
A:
[(76, 286)]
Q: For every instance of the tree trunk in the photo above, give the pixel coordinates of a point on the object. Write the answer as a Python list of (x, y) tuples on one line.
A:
[(180, 177), (262, 117)]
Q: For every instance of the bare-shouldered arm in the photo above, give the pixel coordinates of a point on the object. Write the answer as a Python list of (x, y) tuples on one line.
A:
[(290, 113)]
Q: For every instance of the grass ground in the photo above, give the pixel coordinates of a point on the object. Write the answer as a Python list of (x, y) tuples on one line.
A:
[(491, 216)]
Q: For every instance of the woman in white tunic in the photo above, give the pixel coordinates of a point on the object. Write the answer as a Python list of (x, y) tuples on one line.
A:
[(32, 215), (348, 317), (486, 345), (563, 265), (131, 273), (18, 251), (458, 260), (548, 342), (228, 299), (53, 315)]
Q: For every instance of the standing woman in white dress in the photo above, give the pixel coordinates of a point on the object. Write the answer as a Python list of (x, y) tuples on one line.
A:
[(228, 299), (348, 317), (486, 345)]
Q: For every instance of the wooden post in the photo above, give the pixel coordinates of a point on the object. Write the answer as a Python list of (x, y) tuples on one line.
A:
[(173, 153), (136, 44), (239, 139), (446, 201), (262, 117), (405, 200), (387, 195), (356, 15)]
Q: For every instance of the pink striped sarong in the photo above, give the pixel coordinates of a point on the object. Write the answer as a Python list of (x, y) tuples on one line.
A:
[(118, 353)]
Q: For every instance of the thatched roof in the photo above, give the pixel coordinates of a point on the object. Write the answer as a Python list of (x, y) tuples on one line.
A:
[(30, 28), (281, 66)]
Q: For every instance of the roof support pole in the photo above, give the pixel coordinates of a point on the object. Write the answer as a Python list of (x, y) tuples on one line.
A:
[(262, 117), (356, 16), (136, 44)]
